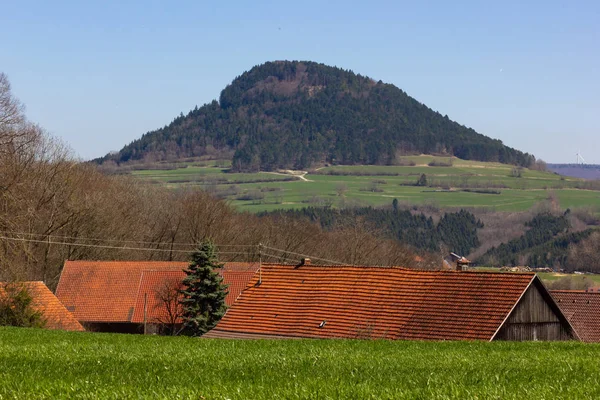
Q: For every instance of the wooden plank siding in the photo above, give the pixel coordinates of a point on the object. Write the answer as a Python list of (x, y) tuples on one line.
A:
[(535, 317)]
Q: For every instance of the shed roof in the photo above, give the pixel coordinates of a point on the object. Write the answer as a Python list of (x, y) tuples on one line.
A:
[(374, 302), (53, 311), (108, 291), (582, 309)]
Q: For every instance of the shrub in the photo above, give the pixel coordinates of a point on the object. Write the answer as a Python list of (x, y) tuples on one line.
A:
[(441, 163), (251, 195), (516, 172), (422, 181), (16, 308), (404, 163)]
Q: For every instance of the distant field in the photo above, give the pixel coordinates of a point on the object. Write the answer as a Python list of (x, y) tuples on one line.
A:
[(38, 364), (549, 276), (463, 184)]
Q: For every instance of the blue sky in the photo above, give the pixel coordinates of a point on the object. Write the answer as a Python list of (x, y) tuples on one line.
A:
[(100, 74)]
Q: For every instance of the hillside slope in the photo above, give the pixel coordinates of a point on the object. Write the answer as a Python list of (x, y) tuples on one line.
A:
[(298, 114)]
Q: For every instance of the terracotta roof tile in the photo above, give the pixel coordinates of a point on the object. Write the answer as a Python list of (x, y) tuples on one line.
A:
[(54, 312), (582, 309), (152, 282), (111, 291), (375, 302)]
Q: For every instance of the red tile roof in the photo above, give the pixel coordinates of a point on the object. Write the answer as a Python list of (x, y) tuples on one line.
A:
[(152, 282), (374, 302), (109, 291), (582, 309), (53, 311)]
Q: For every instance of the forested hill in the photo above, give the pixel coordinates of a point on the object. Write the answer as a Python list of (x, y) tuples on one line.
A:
[(300, 114)]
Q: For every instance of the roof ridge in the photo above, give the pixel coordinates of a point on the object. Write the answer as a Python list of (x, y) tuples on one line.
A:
[(572, 291), (397, 267)]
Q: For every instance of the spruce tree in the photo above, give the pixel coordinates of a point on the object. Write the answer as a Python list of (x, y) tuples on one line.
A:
[(203, 293)]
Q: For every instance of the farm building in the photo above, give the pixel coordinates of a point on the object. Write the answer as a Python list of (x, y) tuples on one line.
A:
[(119, 296), (313, 301), (582, 309), (44, 301)]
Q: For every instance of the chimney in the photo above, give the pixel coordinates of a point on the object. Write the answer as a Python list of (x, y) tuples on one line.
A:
[(461, 262), (304, 261)]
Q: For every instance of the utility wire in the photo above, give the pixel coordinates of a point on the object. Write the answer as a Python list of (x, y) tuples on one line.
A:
[(117, 240), (108, 247), (305, 255), (280, 258), (50, 240)]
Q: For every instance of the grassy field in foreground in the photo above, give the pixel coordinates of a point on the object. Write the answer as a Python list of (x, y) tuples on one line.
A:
[(36, 364), (379, 185)]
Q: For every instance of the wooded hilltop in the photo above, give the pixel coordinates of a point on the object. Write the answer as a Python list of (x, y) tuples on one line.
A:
[(291, 114)]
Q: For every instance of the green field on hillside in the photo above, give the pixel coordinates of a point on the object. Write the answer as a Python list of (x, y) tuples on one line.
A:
[(497, 186), (38, 364)]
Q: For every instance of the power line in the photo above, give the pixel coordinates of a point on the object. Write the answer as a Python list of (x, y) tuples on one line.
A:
[(294, 261), (305, 255), (108, 247), (117, 240), (51, 241)]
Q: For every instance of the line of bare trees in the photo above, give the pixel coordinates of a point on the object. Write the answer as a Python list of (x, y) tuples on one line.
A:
[(54, 207)]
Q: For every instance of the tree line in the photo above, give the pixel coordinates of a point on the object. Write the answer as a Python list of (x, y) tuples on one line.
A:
[(550, 242), (455, 231)]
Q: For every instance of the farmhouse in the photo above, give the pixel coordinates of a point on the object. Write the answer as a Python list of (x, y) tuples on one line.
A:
[(119, 296), (44, 301), (313, 301), (582, 309)]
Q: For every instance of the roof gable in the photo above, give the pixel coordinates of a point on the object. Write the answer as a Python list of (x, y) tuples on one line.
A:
[(536, 316), (53, 311), (375, 302), (109, 291)]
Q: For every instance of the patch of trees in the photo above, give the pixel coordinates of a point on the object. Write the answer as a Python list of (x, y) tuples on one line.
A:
[(298, 114), (455, 231), (547, 243), (584, 255)]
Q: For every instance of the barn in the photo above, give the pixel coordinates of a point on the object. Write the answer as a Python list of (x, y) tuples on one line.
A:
[(125, 296), (314, 301)]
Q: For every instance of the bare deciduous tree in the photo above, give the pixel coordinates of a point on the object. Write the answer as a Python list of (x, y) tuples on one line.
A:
[(168, 308)]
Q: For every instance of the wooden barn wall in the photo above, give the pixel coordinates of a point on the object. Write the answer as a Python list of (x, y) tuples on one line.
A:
[(533, 319)]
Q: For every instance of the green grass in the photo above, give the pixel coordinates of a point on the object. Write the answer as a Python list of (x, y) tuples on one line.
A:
[(516, 194), (38, 364), (551, 276)]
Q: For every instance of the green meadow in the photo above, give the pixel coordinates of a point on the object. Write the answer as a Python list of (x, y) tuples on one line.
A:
[(499, 187), (39, 364)]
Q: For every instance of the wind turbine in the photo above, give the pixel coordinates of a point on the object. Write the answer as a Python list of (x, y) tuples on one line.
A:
[(579, 159)]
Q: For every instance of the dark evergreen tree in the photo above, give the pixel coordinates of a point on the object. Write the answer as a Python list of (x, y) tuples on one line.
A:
[(203, 292), (422, 180)]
